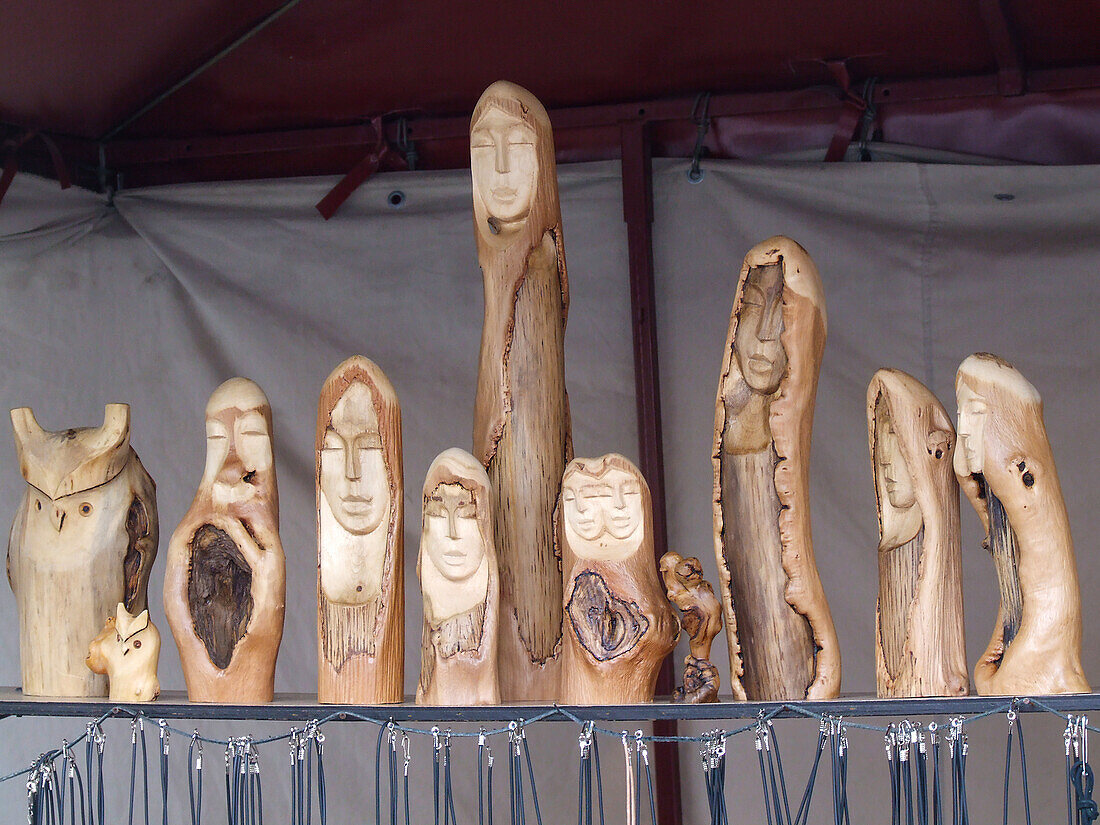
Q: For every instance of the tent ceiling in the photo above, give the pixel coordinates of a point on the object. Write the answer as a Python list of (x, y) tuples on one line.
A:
[(79, 70)]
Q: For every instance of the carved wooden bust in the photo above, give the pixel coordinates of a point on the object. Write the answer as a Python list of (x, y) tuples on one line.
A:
[(460, 583), (521, 418), (1006, 468), (360, 538), (619, 626), (84, 539), (225, 580), (919, 644), (782, 642)]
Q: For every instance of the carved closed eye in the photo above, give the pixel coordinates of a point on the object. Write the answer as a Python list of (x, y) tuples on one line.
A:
[(86, 509)]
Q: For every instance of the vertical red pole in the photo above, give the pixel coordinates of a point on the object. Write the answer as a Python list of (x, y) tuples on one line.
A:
[(638, 214)]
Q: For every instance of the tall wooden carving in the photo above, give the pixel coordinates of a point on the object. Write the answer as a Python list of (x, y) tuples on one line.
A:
[(781, 640), (225, 581), (83, 540), (1006, 468), (919, 641), (360, 538), (461, 586), (619, 626), (521, 414)]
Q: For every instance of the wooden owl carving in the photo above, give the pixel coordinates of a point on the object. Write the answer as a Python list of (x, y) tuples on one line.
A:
[(84, 539)]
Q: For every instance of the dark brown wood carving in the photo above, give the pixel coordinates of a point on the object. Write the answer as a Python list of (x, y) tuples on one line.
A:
[(219, 593)]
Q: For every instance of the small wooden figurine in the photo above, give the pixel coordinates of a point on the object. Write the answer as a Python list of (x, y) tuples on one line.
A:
[(360, 538), (919, 641), (701, 617), (458, 577), (127, 650), (521, 414), (1006, 468), (782, 642), (84, 539), (619, 626), (225, 580)]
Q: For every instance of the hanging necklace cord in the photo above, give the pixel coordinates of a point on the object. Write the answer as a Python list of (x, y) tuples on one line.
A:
[(1015, 723)]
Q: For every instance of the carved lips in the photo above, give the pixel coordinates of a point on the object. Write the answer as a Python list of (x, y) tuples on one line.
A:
[(606, 626)]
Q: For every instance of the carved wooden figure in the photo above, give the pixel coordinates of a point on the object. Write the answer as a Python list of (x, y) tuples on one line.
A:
[(461, 586), (619, 626), (919, 641), (225, 580), (521, 414), (701, 618), (127, 651), (782, 642), (1006, 468), (83, 540), (360, 538)]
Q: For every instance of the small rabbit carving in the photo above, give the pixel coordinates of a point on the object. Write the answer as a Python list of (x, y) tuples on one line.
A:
[(127, 650)]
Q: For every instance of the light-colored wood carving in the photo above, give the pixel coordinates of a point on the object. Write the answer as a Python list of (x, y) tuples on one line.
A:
[(701, 619), (919, 641), (83, 540), (127, 651), (460, 583), (619, 626), (1006, 468), (360, 538), (225, 580), (782, 642), (521, 414)]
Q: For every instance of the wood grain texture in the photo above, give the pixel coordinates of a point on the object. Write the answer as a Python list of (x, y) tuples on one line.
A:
[(83, 539), (619, 624), (360, 538), (701, 619), (920, 648), (460, 583), (521, 414), (127, 651), (782, 642), (229, 538), (1004, 460)]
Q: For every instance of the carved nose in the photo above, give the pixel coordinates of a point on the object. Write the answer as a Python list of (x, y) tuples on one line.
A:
[(452, 530), (501, 154), (352, 469), (771, 321), (57, 517)]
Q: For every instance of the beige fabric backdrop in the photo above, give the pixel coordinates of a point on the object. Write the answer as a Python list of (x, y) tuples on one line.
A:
[(157, 300)]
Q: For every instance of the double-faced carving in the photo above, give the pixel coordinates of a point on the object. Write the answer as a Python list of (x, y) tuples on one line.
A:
[(83, 540), (460, 584), (1006, 468), (360, 537), (619, 625), (521, 419), (225, 580), (919, 642), (781, 638)]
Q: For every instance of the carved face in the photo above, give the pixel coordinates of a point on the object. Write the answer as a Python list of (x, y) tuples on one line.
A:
[(238, 447), (760, 353), (894, 478), (603, 512), (452, 537), (354, 481), (973, 414), (504, 165)]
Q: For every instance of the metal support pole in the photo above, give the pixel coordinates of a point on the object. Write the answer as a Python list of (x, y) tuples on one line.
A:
[(638, 214)]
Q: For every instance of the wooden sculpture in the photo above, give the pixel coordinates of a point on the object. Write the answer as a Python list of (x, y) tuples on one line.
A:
[(83, 540), (1006, 468), (919, 644), (782, 643), (225, 580), (458, 577), (701, 618), (521, 414), (619, 626), (360, 538), (127, 651)]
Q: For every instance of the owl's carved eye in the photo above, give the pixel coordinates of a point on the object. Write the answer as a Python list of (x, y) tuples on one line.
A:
[(85, 509), (137, 642), (38, 504)]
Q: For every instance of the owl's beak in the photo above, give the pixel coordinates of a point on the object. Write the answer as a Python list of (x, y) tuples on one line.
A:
[(57, 516)]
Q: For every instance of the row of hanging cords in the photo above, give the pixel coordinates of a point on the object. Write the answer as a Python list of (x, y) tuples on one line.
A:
[(194, 777), (839, 750), (713, 754), (1015, 723), (94, 741), (1079, 777), (72, 786), (137, 733), (958, 746), (890, 744), (584, 774), (39, 804), (642, 751)]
